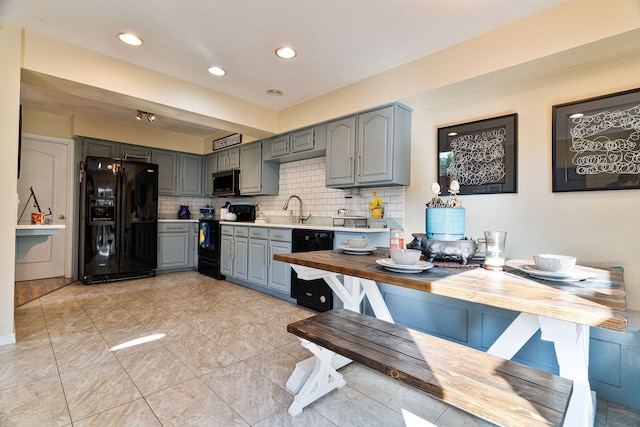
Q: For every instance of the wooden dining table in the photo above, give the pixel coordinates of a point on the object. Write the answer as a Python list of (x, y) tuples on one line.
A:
[(562, 311)]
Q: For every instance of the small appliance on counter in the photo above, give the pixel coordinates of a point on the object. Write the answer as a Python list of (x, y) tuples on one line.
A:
[(260, 219), (184, 212), (206, 212), (243, 213)]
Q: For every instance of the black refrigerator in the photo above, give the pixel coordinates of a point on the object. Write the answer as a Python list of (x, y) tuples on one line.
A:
[(118, 219)]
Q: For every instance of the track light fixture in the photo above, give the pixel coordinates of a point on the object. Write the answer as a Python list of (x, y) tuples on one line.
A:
[(150, 116)]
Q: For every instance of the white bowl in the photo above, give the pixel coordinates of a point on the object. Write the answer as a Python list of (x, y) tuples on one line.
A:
[(405, 256), (358, 243), (554, 263)]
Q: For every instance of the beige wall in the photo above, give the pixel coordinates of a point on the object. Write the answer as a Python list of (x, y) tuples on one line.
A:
[(9, 117), (576, 50), (599, 227)]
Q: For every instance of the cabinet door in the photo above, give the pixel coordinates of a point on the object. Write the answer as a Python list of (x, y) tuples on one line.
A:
[(251, 170), (279, 272), (210, 166), (341, 146), (279, 145), (167, 171), (374, 162), (234, 158), (240, 253), (302, 140), (135, 152), (229, 159), (174, 250), (190, 174), (258, 262), (226, 255), (100, 148)]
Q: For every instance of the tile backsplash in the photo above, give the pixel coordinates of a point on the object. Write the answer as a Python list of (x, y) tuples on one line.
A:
[(306, 179)]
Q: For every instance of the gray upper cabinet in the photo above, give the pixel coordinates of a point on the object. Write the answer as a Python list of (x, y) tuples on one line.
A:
[(341, 147), (167, 171), (279, 145), (229, 159), (135, 152), (98, 147), (210, 166), (190, 167), (294, 142), (297, 145), (257, 177), (370, 149)]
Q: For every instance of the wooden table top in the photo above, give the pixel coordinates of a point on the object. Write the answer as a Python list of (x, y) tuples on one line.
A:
[(598, 305)]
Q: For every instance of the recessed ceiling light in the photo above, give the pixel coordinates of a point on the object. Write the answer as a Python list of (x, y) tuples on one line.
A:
[(217, 71), (286, 52), (274, 92), (130, 39)]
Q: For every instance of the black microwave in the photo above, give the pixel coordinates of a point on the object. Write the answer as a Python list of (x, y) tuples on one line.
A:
[(226, 183)]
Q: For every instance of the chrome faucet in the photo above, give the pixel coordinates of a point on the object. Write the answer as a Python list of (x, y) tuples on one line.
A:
[(301, 218)]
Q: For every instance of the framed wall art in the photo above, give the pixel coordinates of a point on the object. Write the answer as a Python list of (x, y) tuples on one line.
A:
[(227, 141), (480, 155), (596, 143)]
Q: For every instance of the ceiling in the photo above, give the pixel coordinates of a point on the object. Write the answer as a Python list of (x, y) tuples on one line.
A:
[(338, 41)]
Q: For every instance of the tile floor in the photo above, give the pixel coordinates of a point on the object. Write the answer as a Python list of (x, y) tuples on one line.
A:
[(221, 357)]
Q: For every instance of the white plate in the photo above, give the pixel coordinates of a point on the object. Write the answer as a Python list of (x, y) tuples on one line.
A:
[(358, 251), (399, 268), (571, 276)]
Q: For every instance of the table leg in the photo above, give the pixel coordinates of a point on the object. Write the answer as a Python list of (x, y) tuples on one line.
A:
[(571, 342)]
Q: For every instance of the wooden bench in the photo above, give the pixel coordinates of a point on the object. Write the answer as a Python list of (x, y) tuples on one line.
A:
[(495, 389)]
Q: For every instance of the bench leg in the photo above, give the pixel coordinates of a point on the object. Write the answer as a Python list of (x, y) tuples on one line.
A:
[(322, 380)]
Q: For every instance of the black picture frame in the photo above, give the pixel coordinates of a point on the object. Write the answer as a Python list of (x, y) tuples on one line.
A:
[(480, 155), (596, 143)]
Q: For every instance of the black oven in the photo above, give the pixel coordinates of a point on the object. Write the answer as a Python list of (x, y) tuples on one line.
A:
[(209, 248), (314, 294)]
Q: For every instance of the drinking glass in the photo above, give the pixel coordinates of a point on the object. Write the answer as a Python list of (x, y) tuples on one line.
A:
[(495, 257)]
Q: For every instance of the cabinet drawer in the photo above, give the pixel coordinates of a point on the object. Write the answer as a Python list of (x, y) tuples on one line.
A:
[(280, 234), (226, 229), (258, 232), (241, 231), (173, 227)]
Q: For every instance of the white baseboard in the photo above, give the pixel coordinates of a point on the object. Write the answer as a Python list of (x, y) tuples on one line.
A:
[(7, 339)]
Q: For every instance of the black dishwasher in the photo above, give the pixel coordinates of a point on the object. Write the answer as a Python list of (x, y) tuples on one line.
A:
[(314, 294)]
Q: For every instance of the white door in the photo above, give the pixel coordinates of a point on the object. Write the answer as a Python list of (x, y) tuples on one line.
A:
[(45, 166)]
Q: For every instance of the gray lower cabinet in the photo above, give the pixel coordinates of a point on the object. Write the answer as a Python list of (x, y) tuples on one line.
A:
[(258, 256), (259, 269), (279, 274), (372, 148), (176, 241), (234, 245)]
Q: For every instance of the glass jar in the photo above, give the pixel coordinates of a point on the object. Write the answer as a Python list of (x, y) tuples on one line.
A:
[(396, 238)]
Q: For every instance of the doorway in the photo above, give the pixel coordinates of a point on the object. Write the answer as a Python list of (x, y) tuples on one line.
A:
[(46, 167)]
